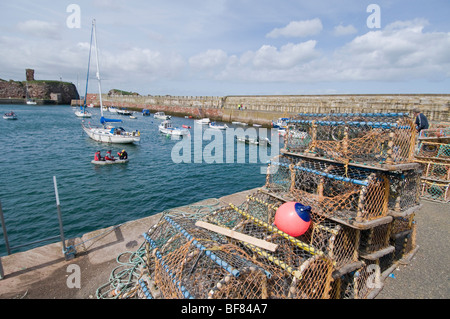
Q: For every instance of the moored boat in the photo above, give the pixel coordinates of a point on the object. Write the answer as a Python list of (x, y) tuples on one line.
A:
[(253, 140), (216, 126), (124, 111), (107, 133), (161, 116), (82, 112), (203, 121), (280, 122), (167, 128)]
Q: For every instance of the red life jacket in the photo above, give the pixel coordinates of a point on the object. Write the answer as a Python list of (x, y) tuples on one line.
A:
[(97, 156), (108, 156)]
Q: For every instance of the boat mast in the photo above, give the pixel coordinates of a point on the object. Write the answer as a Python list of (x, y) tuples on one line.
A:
[(89, 66), (98, 69)]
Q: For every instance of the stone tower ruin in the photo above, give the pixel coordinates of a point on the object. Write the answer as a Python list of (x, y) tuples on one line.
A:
[(30, 74)]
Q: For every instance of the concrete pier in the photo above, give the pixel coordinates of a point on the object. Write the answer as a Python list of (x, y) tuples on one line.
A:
[(43, 273)]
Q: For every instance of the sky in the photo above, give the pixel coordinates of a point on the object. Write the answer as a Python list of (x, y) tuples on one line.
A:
[(232, 47)]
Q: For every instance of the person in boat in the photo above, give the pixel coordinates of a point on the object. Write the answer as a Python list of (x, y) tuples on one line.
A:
[(109, 157), (123, 154), (98, 156)]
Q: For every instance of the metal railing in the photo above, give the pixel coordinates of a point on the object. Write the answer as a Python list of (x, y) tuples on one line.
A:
[(68, 253)]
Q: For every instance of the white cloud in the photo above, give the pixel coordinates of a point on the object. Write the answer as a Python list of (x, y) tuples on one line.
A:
[(401, 51), (341, 30), (297, 29), (208, 60), (270, 63), (288, 56), (41, 29), (141, 61)]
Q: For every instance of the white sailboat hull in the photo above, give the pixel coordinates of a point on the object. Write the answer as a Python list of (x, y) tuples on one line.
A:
[(83, 114), (105, 136)]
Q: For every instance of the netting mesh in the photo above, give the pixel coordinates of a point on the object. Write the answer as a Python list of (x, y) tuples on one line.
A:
[(427, 149), (436, 191), (191, 262)]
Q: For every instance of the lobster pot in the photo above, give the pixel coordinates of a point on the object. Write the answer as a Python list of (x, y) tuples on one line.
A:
[(435, 191), (298, 136), (433, 150), (374, 239), (263, 206), (335, 190), (404, 189), (362, 283), (363, 139), (278, 178), (298, 270), (337, 241), (343, 286), (437, 171), (404, 243), (436, 133), (192, 262)]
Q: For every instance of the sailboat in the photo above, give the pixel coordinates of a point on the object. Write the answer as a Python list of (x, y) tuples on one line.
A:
[(82, 112), (29, 100), (106, 133)]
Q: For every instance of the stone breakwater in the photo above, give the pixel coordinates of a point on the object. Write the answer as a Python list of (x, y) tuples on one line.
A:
[(264, 108)]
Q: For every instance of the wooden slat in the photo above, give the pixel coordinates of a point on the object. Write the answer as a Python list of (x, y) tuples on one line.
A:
[(236, 235)]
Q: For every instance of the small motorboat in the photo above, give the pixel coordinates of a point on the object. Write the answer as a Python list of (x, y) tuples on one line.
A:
[(10, 116), (280, 122), (253, 140), (204, 121), (124, 111), (216, 126), (161, 116), (167, 128), (145, 112)]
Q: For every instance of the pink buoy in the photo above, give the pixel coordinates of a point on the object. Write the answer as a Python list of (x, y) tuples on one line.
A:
[(293, 218)]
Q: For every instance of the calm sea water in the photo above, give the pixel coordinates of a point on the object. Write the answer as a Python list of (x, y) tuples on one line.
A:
[(48, 141)]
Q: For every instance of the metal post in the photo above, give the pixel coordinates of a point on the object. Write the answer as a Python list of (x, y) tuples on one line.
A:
[(61, 230), (5, 235), (2, 220)]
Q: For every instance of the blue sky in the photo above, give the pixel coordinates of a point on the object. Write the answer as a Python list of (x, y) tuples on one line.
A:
[(233, 47)]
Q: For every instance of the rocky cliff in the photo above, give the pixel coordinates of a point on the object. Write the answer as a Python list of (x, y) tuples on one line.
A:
[(57, 91)]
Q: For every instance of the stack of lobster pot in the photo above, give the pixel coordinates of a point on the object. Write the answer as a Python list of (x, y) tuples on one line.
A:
[(358, 173), (433, 153)]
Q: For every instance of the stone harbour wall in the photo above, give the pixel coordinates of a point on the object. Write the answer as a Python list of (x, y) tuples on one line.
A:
[(264, 108)]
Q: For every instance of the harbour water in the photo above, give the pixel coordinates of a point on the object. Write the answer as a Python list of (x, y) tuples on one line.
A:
[(48, 141)]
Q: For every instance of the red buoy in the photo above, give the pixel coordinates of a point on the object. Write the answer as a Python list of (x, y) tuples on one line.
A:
[(293, 218)]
